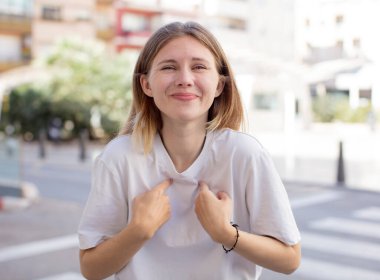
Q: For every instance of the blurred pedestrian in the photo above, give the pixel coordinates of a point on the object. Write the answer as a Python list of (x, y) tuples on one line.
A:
[(181, 194)]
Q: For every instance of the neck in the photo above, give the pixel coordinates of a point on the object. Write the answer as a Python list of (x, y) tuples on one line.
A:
[(183, 144)]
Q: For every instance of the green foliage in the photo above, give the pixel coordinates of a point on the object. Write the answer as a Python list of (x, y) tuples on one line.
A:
[(335, 107), (83, 77), (29, 109)]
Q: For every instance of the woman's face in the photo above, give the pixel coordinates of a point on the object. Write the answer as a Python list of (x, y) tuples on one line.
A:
[(183, 81)]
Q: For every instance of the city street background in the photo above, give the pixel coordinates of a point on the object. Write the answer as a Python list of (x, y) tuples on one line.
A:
[(339, 226), (308, 75)]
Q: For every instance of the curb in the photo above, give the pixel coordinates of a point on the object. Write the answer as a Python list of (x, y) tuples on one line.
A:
[(17, 195)]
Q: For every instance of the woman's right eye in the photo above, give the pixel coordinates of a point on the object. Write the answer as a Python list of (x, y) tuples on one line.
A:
[(168, 67)]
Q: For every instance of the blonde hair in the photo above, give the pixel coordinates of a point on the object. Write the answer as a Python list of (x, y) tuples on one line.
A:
[(144, 119)]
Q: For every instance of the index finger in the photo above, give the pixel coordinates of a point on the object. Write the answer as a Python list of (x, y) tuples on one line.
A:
[(163, 186), (203, 187)]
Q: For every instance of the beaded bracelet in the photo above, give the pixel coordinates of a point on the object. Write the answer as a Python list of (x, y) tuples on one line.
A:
[(236, 241)]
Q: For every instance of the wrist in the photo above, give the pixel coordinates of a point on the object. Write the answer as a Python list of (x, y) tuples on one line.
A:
[(229, 236), (230, 248), (141, 230)]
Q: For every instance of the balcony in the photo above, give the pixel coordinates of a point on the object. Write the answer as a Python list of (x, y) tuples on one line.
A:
[(105, 34), (318, 54), (8, 65), (104, 2), (131, 40), (15, 24)]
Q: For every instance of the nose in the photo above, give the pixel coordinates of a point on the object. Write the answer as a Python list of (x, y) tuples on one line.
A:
[(184, 78)]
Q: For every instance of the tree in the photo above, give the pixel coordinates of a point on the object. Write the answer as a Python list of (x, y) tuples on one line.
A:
[(336, 107), (88, 88)]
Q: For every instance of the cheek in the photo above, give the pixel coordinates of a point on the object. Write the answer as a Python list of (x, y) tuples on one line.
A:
[(209, 87), (162, 84)]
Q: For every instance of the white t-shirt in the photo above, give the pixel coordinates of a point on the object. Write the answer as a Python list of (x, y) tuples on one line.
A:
[(230, 161)]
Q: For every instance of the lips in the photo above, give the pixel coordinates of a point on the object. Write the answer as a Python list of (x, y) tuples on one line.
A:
[(184, 96)]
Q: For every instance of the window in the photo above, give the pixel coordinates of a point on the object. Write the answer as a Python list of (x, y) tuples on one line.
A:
[(339, 19), (82, 15), (135, 23), (265, 101), (232, 23), (365, 93), (339, 44), (238, 24), (51, 13), (16, 7), (356, 43)]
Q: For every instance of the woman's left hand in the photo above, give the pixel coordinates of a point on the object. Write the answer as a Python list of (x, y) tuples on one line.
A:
[(214, 213)]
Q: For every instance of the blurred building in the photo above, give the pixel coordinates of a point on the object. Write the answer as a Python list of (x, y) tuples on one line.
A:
[(302, 48), (15, 33), (128, 24), (279, 98), (339, 39), (53, 20), (256, 36), (283, 52), (105, 21)]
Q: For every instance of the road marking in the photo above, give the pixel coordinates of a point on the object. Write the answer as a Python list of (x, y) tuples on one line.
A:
[(341, 246), (38, 247), (65, 276), (360, 228), (370, 213), (313, 269), (315, 199)]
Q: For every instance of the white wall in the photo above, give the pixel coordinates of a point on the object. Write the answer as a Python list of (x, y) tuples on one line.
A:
[(360, 21), (10, 49)]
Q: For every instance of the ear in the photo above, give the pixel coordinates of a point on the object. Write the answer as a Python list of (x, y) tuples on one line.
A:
[(220, 86), (145, 85)]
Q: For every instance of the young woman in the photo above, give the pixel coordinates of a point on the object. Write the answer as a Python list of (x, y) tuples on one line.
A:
[(181, 194)]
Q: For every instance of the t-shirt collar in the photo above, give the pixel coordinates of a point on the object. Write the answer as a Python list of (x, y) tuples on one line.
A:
[(167, 165)]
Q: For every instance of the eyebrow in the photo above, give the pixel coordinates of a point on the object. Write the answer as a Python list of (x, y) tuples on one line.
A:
[(174, 61)]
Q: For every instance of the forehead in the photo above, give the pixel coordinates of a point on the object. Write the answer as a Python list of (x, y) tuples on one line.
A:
[(184, 47)]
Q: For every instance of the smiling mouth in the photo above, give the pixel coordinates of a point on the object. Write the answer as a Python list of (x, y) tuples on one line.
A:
[(184, 96)]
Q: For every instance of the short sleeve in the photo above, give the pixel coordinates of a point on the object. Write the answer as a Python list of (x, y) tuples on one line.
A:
[(268, 203), (106, 210)]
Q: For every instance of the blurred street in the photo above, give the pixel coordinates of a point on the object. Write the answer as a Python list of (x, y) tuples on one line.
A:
[(340, 226)]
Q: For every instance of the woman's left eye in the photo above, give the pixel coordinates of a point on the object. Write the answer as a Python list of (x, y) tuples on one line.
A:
[(168, 67), (200, 67)]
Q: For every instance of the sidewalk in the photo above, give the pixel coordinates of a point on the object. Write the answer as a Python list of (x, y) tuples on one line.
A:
[(311, 156), (15, 193)]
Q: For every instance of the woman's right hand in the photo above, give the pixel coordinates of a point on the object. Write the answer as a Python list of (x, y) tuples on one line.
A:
[(151, 209)]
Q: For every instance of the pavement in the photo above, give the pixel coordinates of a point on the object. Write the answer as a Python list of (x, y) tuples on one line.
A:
[(15, 193), (340, 233), (312, 156)]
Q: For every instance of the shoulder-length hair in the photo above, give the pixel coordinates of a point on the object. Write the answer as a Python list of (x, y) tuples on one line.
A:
[(145, 121)]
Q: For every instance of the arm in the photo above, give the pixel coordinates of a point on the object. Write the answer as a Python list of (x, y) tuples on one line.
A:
[(113, 254), (265, 251), (214, 213), (150, 211)]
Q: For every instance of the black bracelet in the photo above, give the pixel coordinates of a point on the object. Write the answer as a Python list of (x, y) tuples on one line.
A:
[(236, 241)]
